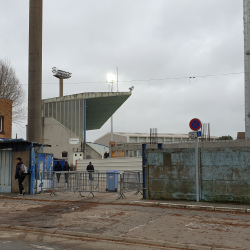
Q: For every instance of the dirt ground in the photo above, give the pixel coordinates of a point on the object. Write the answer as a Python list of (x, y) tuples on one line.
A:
[(215, 229)]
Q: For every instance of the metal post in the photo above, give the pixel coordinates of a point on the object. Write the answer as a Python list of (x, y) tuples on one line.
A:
[(247, 66), (144, 146), (117, 79), (61, 86), (33, 171), (112, 136), (84, 120), (197, 170), (84, 127)]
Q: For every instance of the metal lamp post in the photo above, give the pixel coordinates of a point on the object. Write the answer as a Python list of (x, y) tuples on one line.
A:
[(111, 79)]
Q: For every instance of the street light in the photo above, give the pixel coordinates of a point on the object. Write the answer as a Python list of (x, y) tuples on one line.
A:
[(111, 79)]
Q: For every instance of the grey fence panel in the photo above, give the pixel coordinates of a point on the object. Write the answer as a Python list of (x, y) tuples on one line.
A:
[(90, 182), (132, 181), (100, 182), (45, 182)]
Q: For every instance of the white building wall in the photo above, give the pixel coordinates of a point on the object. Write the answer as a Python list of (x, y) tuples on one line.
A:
[(118, 164)]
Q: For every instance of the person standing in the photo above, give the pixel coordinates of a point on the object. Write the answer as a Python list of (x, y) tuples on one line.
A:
[(58, 168), (66, 168), (90, 169), (20, 176), (106, 155)]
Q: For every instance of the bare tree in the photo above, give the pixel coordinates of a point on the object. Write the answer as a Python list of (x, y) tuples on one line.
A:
[(11, 89)]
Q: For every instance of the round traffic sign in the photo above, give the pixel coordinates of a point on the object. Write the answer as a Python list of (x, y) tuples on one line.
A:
[(195, 124)]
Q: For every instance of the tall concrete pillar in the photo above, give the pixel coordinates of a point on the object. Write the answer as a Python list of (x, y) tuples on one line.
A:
[(34, 130)]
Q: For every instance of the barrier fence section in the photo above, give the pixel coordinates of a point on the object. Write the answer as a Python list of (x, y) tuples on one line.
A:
[(131, 181), (89, 182)]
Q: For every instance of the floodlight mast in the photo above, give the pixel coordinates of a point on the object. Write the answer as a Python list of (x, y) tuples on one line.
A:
[(61, 75), (111, 79)]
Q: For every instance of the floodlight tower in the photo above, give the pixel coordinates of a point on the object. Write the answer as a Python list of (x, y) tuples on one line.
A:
[(61, 75), (246, 10)]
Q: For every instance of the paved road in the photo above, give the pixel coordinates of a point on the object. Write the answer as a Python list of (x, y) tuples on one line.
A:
[(10, 240), (203, 228)]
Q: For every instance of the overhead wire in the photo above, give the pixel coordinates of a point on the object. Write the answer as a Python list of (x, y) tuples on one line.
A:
[(156, 79)]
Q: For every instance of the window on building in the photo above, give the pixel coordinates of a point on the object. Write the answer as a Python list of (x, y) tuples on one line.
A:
[(64, 154), (1, 124)]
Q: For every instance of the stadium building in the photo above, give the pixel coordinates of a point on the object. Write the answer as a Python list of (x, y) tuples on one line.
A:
[(66, 120)]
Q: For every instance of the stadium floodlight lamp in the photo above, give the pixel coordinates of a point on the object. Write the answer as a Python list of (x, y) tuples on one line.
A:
[(111, 78), (60, 73), (131, 88)]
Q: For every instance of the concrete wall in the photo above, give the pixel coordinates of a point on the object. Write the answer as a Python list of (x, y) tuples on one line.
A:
[(225, 174), (6, 113), (56, 135), (25, 157)]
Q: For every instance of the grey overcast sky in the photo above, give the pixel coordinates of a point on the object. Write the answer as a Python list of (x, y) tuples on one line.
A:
[(145, 39)]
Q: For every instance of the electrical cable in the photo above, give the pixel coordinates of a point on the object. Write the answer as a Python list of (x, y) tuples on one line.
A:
[(157, 79)]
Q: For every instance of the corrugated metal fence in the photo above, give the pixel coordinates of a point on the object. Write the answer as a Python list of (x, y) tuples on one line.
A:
[(5, 170)]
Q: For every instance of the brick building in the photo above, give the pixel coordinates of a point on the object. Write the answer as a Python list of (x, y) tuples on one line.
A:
[(5, 118)]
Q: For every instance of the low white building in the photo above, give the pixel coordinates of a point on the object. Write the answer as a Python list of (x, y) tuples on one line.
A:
[(123, 138)]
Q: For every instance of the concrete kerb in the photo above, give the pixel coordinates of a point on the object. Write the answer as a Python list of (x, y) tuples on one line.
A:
[(60, 233), (228, 209), (149, 204), (197, 207)]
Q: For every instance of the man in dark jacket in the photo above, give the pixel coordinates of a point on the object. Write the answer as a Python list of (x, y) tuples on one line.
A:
[(66, 168), (20, 177), (58, 167), (90, 168), (106, 155)]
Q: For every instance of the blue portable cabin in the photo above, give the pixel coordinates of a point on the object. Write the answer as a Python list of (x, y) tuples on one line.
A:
[(10, 149)]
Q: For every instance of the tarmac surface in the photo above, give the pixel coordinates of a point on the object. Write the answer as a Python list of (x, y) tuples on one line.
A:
[(169, 224)]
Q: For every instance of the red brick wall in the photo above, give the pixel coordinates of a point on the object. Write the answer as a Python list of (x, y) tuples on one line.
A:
[(6, 113)]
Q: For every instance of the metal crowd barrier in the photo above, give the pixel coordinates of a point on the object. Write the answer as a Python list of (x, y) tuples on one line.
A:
[(89, 182), (131, 181), (45, 182)]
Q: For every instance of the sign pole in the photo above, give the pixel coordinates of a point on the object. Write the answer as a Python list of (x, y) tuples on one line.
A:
[(195, 125), (197, 169)]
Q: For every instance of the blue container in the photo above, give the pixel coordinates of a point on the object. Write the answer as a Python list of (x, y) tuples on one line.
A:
[(112, 181)]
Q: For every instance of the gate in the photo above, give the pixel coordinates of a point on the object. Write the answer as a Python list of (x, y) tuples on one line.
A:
[(5, 170)]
